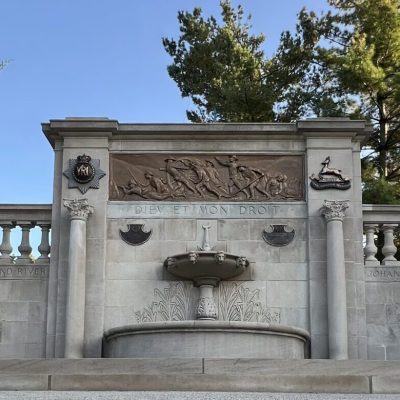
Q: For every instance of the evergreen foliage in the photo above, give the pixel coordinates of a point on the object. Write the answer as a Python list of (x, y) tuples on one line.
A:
[(343, 63)]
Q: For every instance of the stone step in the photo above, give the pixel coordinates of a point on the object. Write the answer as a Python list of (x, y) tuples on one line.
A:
[(62, 395), (216, 375), (214, 366)]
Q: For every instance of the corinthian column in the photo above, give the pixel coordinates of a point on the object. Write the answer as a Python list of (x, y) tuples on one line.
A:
[(333, 211), (79, 211)]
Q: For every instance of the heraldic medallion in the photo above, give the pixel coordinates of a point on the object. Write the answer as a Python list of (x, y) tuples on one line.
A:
[(84, 173), (329, 178), (278, 235), (135, 235)]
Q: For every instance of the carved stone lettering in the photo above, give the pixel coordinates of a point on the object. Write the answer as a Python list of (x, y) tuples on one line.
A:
[(382, 274), (24, 272), (137, 210), (188, 177)]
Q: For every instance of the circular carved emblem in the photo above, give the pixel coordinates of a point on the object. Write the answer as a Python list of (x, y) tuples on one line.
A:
[(83, 171)]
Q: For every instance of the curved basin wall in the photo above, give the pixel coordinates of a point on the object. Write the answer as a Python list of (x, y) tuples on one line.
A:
[(206, 339)]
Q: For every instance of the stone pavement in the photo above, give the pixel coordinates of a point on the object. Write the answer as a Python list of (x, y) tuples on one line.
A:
[(39, 395)]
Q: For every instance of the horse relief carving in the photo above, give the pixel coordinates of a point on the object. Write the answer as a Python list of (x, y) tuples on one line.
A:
[(227, 177)]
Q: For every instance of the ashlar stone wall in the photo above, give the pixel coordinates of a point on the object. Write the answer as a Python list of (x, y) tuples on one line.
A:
[(139, 289), (23, 307), (383, 312)]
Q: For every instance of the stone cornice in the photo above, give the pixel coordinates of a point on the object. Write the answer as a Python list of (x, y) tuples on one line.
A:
[(114, 130)]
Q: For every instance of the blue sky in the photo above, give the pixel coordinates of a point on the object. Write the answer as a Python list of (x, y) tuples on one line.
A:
[(99, 58)]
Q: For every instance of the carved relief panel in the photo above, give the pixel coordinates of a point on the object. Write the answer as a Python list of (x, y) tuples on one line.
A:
[(195, 177)]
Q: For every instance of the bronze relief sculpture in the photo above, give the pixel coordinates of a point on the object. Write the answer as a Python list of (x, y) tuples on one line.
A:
[(195, 177), (329, 178)]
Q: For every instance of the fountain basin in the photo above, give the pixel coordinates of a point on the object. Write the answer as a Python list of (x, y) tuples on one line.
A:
[(206, 267), (206, 339)]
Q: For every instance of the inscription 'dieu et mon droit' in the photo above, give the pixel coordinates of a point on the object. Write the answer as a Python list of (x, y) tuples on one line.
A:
[(195, 177)]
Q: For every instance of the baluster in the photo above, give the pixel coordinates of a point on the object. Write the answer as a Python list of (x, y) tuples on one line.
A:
[(25, 248), (370, 249), (389, 249), (44, 247), (5, 246)]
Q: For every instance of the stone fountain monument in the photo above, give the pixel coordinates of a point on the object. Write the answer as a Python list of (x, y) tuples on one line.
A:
[(193, 256), (225, 240)]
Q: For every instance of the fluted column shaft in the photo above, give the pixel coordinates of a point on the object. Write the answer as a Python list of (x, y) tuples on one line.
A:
[(333, 211), (75, 307)]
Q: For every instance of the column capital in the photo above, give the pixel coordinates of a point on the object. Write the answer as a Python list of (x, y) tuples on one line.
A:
[(78, 208), (386, 227), (44, 224), (25, 224), (7, 224), (371, 227), (334, 210)]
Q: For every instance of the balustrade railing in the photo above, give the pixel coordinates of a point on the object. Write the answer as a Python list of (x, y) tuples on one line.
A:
[(381, 222), (25, 216)]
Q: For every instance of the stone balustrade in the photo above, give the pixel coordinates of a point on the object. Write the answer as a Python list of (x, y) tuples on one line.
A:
[(25, 216), (385, 219)]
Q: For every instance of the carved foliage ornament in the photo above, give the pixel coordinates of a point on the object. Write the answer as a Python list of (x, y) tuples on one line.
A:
[(236, 302), (206, 309), (329, 178), (226, 177), (78, 208), (84, 173), (334, 209)]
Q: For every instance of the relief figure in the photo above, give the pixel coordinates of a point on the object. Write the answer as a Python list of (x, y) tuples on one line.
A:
[(174, 169), (154, 188), (235, 177), (255, 180), (207, 178)]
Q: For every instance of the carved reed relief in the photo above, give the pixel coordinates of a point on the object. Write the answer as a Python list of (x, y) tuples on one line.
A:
[(235, 302), (173, 303), (225, 177), (239, 303)]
